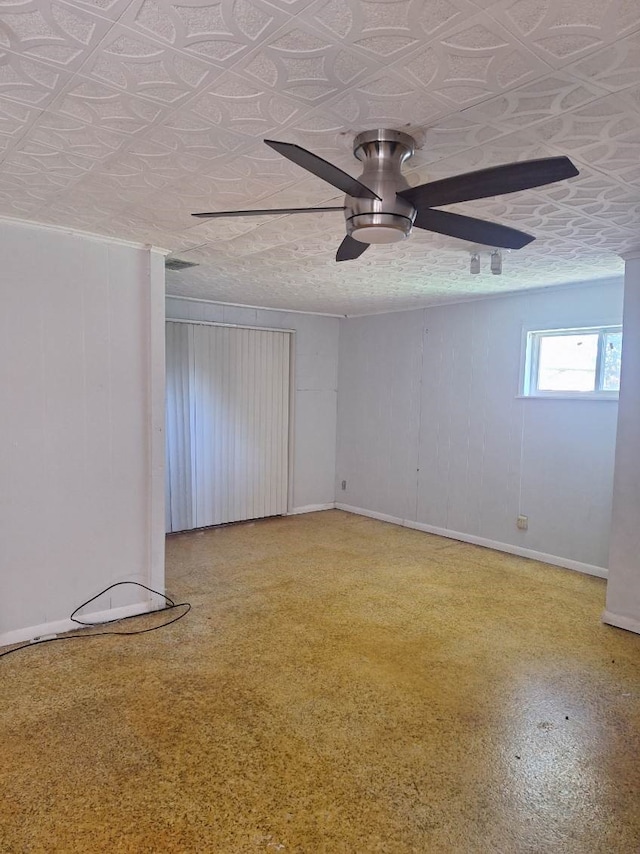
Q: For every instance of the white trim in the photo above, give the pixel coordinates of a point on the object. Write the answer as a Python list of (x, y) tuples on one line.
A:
[(520, 292), (372, 514), (254, 307), (621, 622), (530, 361), (543, 557), (291, 439), (611, 397), (228, 325), (76, 232), (156, 423), (60, 626), (310, 508)]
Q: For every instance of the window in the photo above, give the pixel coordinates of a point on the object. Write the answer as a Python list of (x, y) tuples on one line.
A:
[(573, 362)]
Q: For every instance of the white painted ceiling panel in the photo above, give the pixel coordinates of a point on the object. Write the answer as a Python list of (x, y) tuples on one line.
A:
[(122, 117)]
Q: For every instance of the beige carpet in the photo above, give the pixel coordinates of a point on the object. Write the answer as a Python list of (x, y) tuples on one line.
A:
[(341, 685)]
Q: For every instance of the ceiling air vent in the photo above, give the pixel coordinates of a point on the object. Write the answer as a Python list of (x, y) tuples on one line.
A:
[(178, 264)]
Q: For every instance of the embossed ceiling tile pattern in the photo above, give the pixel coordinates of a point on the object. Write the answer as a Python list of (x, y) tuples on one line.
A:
[(590, 188), (259, 162), (613, 68), (221, 32), (99, 105), (552, 95), (308, 193), (544, 217), (49, 31), (453, 134), (304, 65), (605, 121), (324, 129), (93, 207), (216, 232), (187, 133), (595, 195), (18, 195), (109, 9), (129, 176), (390, 28), (561, 31), (522, 145), (17, 207), (73, 136), (125, 116), (474, 61), (82, 222), (325, 229), (244, 108), (628, 246), (145, 231), (631, 97), (158, 161), (149, 215), (140, 66), (526, 211), (387, 100), (35, 157), (33, 183), (14, 122), (232, 193), (618, 159), (408, 281), (29, 82)]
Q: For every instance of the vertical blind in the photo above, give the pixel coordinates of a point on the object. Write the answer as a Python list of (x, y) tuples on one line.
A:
[(227, 424)]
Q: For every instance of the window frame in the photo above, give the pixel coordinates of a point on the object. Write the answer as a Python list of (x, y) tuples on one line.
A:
[(531, 360)]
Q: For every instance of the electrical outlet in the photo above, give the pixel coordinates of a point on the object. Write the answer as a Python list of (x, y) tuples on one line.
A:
[(522, 522), (344, 484)]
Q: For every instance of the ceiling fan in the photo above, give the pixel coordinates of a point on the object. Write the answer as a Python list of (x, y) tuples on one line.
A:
[(381, 207)]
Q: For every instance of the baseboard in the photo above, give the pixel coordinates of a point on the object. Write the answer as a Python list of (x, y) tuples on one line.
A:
[(543, 557), (372, 514), (60, 626), (311, 508), (621, 622)]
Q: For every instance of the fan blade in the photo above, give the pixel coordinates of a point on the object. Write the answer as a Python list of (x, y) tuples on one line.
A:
[(350, 249), (469, 228), (495, 181), (272, 212), (323, 169)]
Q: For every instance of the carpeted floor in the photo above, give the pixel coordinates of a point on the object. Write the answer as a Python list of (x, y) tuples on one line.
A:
[(341, 685)]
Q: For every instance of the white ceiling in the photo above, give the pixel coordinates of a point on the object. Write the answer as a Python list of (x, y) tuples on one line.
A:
[(121, 117)]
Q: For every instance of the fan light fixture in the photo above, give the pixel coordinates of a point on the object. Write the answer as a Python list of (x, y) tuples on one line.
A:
[(380, 207), (496, 262), (474, 265), (378, 233)]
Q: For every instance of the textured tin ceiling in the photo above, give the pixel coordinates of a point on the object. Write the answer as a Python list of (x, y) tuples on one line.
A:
[(121, 117)]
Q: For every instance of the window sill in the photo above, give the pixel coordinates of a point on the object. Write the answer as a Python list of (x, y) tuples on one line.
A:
[(611, 398)]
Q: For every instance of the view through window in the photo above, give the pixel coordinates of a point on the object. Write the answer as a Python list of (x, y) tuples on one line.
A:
[(585, 362)]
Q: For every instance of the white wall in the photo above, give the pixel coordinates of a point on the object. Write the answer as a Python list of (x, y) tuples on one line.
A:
[(430, 428), (315, 396), (623, 589), (81, 422)]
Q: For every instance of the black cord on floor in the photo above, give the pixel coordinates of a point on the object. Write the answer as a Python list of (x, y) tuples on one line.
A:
[(170, 606)]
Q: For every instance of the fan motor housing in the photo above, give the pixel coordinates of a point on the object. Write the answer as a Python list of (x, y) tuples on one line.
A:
[(391, 218)]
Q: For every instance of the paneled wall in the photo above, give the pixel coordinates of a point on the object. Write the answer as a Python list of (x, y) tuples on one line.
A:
[(81, 417), (431, 429), (315, 392), (623, 589)]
